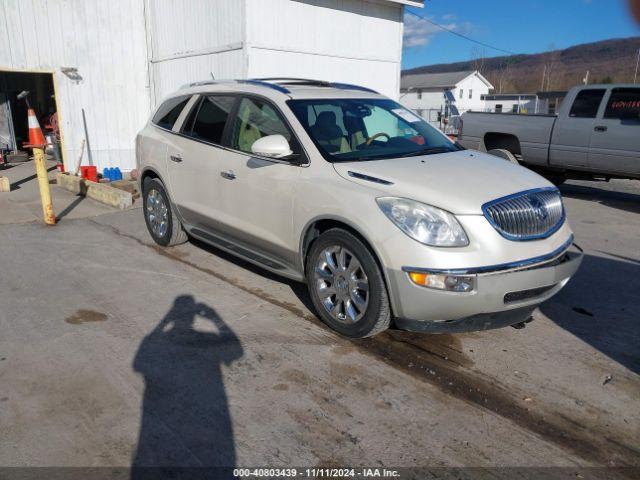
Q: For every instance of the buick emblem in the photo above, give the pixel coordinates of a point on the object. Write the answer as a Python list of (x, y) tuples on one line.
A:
[(539, 208)]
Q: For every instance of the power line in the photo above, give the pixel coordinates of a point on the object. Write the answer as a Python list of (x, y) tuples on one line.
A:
[(460, 34)]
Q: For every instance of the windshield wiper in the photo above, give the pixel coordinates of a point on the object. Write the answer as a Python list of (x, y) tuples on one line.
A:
[(427, 151), (361, 159), (388, 156)]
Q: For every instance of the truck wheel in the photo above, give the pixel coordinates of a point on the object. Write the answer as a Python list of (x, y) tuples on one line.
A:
[(504, 154), (346, 285), (162, 223)]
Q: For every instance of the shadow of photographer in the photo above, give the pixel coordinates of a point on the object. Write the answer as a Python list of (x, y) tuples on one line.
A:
[(186, 422)]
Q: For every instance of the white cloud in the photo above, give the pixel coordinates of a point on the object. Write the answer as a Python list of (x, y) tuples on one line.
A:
[(418, 32)]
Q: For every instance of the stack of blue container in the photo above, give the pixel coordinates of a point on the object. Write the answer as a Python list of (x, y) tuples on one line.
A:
[(112, 174)]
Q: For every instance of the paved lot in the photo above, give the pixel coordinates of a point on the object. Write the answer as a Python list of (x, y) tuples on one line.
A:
[(22, 204), (115, 352)]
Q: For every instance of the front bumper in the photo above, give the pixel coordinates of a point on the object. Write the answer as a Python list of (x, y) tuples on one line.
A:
[(504, 294), (475, 323)]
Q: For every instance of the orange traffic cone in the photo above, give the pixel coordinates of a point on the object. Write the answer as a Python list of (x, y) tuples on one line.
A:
[(36, 138), (37, 142)]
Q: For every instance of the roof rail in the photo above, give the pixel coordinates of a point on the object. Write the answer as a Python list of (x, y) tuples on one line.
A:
[(278, 84), (348, 86), (295, 80), (263, 83), (314, 83), (203, 83), (250, 81)]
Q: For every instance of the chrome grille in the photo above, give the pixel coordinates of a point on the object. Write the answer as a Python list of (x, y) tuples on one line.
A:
[(527, 215)]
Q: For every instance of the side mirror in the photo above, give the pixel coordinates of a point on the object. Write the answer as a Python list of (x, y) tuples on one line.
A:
[(273, 146)]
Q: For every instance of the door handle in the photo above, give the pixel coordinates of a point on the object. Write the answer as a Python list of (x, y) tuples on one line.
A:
[(176, 158), (228, 174), (600, 128)]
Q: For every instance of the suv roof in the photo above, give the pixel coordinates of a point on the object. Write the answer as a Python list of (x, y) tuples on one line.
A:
[(298, 88)]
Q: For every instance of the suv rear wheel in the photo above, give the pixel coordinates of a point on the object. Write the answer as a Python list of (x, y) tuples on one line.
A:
[(346, 285), (163, 225)]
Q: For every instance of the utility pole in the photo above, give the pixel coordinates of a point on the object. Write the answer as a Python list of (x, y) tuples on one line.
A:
[(635, 76), (544, 74)]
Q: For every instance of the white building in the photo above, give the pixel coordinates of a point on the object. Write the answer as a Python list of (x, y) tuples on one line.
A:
[(448, 93), (543, 103), (116, 59), (511, 103)]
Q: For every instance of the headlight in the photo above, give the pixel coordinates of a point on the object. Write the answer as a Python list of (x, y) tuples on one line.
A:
[(424, 223)]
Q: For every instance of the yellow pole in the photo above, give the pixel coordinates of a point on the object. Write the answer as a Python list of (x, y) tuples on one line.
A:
[(43, 183)]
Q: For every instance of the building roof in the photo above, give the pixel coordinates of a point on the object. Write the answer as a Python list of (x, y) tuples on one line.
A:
[(413, 3), (552, 94), (438, 80), (508, 96)]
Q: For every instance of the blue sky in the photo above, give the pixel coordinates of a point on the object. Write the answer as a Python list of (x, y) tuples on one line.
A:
[(523, 26)]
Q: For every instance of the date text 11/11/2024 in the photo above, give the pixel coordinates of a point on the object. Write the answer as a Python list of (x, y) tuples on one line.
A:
[(315, 473)]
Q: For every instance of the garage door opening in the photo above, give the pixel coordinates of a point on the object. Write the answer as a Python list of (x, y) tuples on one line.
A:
[(14, 127)]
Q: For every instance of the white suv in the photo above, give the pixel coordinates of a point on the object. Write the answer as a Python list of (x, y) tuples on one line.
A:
[(383, 217)]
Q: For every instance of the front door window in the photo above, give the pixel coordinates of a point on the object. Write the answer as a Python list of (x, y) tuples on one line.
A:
[(257, 119)]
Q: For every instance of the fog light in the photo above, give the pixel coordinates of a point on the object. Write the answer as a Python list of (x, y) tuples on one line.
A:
[(441, 281)]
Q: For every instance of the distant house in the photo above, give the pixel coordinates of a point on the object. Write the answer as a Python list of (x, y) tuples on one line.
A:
[(549, 102), (511, 103), (539, 103), (449, 93)]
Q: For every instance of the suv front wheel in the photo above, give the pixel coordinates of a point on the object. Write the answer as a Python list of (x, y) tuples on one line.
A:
[(346, 285)]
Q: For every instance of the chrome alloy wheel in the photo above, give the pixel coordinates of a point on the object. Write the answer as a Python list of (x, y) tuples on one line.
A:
[(157, 213), (341, 284)]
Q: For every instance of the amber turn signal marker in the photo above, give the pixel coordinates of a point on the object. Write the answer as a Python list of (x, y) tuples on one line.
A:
[(419, 278), (444, 281)]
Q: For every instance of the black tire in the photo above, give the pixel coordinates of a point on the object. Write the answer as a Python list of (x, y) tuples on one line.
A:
[(172, 232), (376, 315), (504, 154)]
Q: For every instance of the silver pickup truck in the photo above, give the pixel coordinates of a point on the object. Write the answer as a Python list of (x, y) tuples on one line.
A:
[(596, 135)]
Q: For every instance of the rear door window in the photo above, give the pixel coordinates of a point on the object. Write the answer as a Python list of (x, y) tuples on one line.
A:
[(210, 119), (587, 103), (187, 125), (623, 104), (169, 112)]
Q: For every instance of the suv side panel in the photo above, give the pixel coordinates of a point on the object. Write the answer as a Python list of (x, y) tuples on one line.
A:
[(257, 194)]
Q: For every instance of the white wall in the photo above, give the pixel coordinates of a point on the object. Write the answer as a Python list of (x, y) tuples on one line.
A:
[(191, 39), (105, 41), (132, 53), (352, 41), (320, 39), (428, 100)]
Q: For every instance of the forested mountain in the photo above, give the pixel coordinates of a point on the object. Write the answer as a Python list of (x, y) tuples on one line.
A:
[(607, 61)]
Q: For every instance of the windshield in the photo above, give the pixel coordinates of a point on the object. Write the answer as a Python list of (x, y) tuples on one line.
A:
[(367, 129)]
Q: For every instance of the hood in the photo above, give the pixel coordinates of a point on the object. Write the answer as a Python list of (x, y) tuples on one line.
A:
[(459, 182)]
